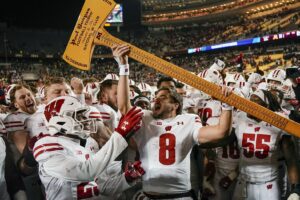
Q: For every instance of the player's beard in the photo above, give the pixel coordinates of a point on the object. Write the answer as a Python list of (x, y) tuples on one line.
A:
[(161, 113), (112, 104)]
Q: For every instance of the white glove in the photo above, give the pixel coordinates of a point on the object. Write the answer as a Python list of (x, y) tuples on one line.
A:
[(294, 196)]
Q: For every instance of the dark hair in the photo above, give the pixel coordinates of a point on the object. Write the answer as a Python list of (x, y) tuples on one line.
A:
[(273, 103), (164, 79), (175, 97), (179, 85), (107, 84)]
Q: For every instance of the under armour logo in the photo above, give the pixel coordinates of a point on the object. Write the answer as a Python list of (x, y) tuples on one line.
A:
[(124, 125), (180, 123)]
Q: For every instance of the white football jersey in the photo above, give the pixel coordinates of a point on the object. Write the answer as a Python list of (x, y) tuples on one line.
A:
[(259, 150), (108, 115), (227, 157), (69, 171), (209, 108), (36, 127), (15, 121), (164, 147), (2, 128), (3, 194)]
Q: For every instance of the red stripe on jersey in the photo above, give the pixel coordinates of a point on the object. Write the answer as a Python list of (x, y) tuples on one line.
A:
[(34, 139), (104, 113), (94, 113), (46, 145), (102, 117), (47, 150), (20, 125)]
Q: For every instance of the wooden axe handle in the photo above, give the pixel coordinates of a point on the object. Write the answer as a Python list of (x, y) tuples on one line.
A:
[(105, 39)]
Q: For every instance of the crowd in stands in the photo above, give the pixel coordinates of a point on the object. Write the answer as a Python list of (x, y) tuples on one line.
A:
[(183, 14)]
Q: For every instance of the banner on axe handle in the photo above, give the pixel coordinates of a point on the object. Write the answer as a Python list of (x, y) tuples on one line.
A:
[(79, 49)]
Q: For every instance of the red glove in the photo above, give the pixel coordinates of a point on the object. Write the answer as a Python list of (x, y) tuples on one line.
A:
[(225, 182), (130, 122), (133, 171)]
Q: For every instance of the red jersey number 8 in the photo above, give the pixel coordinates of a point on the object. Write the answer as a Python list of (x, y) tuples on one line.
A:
[(167, 144)]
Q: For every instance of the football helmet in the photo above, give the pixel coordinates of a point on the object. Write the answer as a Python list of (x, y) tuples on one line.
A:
[(277, 75), (111, 77), (254, 78), (93, 89), (66, 115), (7, 93), (131, 82), (146, 90), (212, 76), (238, 80), (218, 65)]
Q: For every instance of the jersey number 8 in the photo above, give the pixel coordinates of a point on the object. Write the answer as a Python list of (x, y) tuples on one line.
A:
[(167, 144)]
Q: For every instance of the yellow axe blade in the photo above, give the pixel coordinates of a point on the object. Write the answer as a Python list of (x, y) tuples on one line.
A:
[(80, 47)]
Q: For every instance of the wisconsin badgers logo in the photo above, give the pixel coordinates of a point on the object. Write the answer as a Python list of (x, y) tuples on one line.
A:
[(53, 109)]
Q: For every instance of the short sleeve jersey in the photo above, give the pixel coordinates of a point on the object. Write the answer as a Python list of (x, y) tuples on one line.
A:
[(164, 147), (259, 149)]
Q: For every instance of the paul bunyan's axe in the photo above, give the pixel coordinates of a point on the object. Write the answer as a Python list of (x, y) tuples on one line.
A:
[(89, 32)]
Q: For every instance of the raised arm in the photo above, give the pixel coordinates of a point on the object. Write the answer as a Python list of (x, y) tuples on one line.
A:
[(120, 54), (213, 133)]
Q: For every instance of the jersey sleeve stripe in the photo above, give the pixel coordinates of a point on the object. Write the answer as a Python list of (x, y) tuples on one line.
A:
[(104, 113), (12, 126), (46, 145), (102, 117), (91, 113), (47, 150), (13, 122), (95, 117)]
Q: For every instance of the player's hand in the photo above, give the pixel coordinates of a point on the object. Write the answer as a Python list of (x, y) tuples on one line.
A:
[(133, 171), (88, 99), (120, 53), (77, 85), (225, 182), (102, 135), (226, 91), (4, 109), (130, 122)]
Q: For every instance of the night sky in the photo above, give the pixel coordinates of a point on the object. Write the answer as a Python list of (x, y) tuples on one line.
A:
[(58, 14)]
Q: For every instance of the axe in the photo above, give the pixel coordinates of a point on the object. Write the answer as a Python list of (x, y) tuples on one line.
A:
[(89, 32)]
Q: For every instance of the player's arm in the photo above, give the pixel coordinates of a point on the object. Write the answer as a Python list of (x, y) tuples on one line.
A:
[(221, 142), (289, 152), (217, 132), (58, 164), (70, 168), (120, 54)]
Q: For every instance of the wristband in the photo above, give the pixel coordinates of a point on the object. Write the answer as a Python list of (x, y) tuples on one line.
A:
[(124, 70), (225, 106)]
